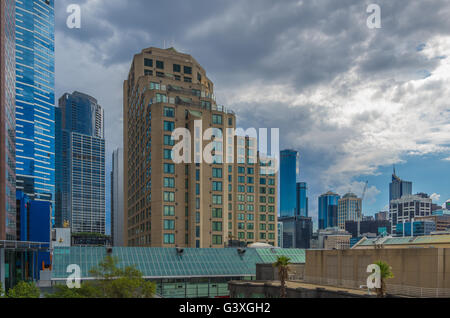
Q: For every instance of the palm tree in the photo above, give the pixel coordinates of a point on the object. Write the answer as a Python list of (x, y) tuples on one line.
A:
[(282, 264), (385, 273)]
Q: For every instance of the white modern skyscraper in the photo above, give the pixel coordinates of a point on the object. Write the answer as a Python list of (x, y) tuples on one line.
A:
[(80, 166)]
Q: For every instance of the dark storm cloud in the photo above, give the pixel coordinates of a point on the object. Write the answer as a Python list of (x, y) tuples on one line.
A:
[(302, 46)]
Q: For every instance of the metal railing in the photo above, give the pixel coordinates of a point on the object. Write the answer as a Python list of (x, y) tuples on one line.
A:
[(392, 289)]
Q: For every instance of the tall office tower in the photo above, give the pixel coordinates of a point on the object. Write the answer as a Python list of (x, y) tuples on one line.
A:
[(7, 121), (117, 203), (349, 209), (194, 204), (297, 232), (382, 216), (288, 182), (328, 210), (35, 99), (407, 208), (302, 199), (399, 187), (80, 164)]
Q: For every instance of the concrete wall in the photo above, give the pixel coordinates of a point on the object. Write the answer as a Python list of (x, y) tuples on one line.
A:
[(418, 271), (266, 290), (266, 272)]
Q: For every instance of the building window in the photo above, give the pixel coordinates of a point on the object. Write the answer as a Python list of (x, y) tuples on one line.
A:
[(169, 238), (217, 213), (187, 70), (177, 68), (169, 183), (217, 240), (217, 226), (217, 199), (169, 168), (168, 141), (188, 80), (169, 210), (217, 172), (217, 119), (160, 65), (169, 225), (159, 74), (169, 126), (199, 77), (217, 186), (177, 77), (169, 196), (148, 62), (148, 72), (169, 112), (167, 154)]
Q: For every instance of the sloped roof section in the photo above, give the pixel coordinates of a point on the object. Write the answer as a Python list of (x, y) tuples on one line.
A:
[(170, 263)]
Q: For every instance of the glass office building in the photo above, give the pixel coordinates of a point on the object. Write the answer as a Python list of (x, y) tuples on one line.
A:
[(302, 199), (80, 168), (328, 210), (7, 121), (288, 182), (399, 188), (35, 99)]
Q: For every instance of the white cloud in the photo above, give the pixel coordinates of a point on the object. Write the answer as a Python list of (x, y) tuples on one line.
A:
[(435, 197)]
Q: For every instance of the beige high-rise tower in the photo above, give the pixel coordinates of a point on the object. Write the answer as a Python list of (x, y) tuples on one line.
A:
[(188, 204)]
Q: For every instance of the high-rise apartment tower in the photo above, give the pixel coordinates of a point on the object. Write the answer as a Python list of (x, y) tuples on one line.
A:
[(193, 203)]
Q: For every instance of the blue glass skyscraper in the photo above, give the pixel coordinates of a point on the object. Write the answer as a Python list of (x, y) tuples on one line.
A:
[(80, 164), (328, 210), (302, 199), (288, 182), (7, 121), (399, 187), (35, 99)]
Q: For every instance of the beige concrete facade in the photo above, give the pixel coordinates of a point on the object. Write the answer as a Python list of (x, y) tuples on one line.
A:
[(349, 209), (187, 204), (419, 272)]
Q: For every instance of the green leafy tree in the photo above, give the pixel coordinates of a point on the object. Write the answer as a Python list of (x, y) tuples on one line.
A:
[(282, 264), (24, 290), (111, 282), (2, 291), (385, 273)]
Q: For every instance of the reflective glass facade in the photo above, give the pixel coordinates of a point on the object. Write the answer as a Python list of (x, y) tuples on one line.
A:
[(35, 99), (399, 188), (328, 209), (7, 121), (302, 199), (80, 168), (288, 182)]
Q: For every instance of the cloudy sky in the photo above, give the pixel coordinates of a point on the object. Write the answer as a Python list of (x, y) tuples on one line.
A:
[(352, 100)]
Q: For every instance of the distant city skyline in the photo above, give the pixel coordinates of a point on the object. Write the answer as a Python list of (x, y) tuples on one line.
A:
[(353, 105)]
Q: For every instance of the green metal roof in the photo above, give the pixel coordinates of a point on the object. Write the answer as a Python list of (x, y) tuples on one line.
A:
[(269, 256), (166, 263)]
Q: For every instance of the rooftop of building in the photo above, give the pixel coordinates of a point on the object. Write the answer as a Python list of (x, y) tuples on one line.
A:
[(329, 193), (412, 197), (171, 262), (416, 240)]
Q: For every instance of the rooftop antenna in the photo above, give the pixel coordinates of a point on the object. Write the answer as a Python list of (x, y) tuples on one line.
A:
[(394, 170), (164, 44)]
